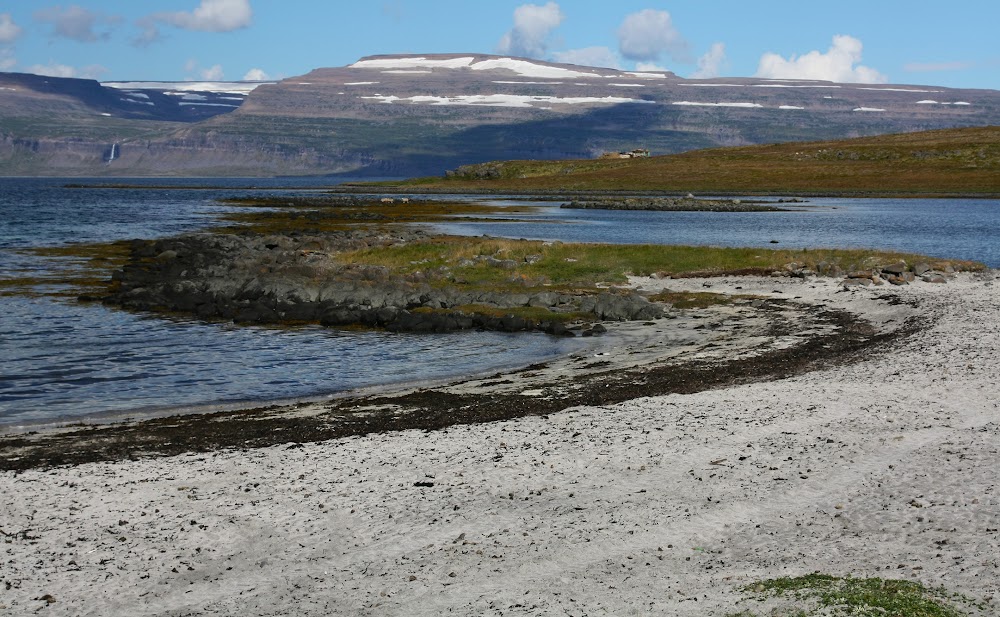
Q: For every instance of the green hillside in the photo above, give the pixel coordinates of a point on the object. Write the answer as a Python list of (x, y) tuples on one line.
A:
[(951, 161)]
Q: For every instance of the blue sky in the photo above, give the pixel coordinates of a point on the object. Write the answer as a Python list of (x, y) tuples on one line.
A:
[(913, 41)]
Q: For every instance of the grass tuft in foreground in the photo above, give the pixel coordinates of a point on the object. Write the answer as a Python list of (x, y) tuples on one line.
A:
[(821, 594)]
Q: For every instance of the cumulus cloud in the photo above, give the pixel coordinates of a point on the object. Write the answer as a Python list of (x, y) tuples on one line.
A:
[(195, 72), (7, 60), (650, 67), (209, 16), (9, 31), (710, 64), (76, 23), (54, 69), (649, 34), (256, 75), (589, 56), (839, 64), (213, 73), (532, 25)]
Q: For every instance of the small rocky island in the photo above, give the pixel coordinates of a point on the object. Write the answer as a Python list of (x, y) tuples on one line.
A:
[(303, 278)]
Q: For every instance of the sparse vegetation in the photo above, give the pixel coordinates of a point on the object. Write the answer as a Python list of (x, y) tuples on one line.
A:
[(821, 594), (491, 262), (954, 161)]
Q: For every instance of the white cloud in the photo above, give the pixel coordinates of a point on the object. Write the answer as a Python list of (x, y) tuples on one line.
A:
[(650, 67), (7, 60), (647, 35), (76, 22), (210, 16), (838, 64), (9, 31), (589, 56), (532, 25), (194, 71), (54, 69), (711, 63), (256, 75), (213, 73)]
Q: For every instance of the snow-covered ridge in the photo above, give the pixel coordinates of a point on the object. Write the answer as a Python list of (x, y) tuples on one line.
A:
[(898, 90), (412, 63), (713, 85), (504, 100), (529, 69), (226, 87), (696, 104), (793, 86), (523, 68)]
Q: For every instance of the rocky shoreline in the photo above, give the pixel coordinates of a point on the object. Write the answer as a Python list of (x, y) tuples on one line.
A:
[(812, 428), (689, 350), (293, 278)]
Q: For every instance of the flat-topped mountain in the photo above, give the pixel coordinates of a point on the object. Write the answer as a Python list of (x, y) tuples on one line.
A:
[(406, 115)]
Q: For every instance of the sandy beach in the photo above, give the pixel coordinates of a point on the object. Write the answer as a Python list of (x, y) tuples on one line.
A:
[(884, 464)]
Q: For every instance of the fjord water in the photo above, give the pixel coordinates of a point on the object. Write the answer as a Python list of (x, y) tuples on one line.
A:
[(946, 228), (63, 360)]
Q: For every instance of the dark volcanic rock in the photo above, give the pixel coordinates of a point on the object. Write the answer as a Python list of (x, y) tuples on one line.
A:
[(253, 279)]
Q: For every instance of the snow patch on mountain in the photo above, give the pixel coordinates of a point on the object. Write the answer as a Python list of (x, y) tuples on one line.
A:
[(697, 104), (504, 100), (221, 87), (410, 63), (530, 69)]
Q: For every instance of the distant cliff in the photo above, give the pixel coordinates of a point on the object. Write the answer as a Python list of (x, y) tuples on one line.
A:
[(415, 115)]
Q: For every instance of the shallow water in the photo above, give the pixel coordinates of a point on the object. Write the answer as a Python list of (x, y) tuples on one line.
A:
[(64, 360)]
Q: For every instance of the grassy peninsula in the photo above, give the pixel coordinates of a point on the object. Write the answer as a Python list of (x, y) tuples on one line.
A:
[(962, 162)]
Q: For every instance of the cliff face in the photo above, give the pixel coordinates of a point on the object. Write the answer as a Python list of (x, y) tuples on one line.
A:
[(414, 115)]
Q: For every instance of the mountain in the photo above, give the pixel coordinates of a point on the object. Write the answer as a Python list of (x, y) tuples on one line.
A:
[(417, 115)]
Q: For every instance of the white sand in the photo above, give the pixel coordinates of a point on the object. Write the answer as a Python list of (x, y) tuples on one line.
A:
[(666, 505)]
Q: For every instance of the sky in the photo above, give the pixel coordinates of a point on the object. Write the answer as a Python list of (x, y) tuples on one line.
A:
[(871, 41)]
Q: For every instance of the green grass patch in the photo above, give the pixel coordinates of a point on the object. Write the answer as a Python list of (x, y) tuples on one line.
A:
[(822, 594), (519, 264), (282, 215), (943, 162)]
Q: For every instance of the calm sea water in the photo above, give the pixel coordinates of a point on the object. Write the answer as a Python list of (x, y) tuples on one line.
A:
[(62, 360), (955, 228)]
